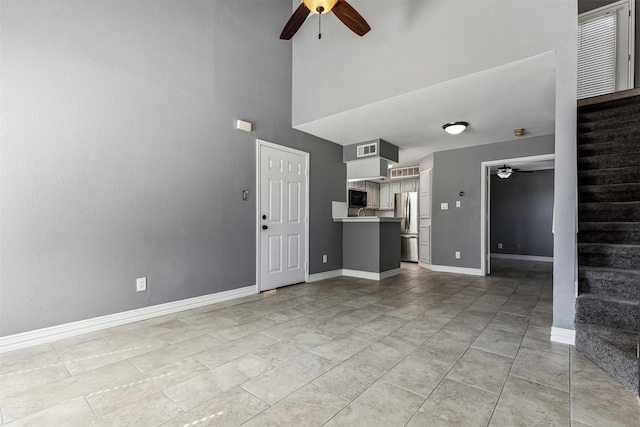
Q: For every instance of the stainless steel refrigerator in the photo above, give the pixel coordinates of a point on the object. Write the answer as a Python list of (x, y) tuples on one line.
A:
[(406, 207)]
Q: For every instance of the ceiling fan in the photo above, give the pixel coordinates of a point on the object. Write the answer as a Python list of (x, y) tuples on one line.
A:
[(505, 171), (343, 10)]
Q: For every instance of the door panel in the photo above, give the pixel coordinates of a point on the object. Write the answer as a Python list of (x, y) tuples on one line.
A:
[(282, 222)]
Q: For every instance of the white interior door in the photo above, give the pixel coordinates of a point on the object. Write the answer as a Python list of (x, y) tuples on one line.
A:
[(282, 222)]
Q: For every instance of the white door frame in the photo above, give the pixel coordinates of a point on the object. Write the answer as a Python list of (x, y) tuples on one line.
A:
[(485, 203), (261, 143)]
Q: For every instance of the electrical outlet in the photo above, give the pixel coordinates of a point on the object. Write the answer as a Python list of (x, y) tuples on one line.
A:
[(324, 259), (499, 245), (517, 245), (457, 255), (141, 284)]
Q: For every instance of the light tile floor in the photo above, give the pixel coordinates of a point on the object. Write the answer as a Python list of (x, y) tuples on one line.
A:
[(419, 349)]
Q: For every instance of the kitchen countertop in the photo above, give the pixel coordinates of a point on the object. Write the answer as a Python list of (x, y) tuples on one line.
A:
[(367, 219)]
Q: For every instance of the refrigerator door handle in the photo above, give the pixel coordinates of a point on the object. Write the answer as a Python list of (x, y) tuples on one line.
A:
[(408, 213)]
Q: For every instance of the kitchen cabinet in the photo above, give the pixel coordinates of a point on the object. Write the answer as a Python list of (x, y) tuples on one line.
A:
[(358, 185), (409, 185), (384, 196), (387, 195), (424, 234), (373, 195), (425, 194)]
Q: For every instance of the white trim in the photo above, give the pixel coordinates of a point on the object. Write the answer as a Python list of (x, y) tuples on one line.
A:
[(423, 265), (631, 33), (54, 333), (484, 201), (324, 275), (390, 273), (456, 270), (371, 275), (563, 336), (262, 143), (522, 257)]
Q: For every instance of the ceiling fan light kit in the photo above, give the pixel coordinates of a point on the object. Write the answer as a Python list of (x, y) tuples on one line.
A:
[(343, 10), (319, 6), (454, 128), (504, 172)]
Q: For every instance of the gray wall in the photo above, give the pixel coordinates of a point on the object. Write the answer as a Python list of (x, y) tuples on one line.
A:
[(522, 213), (587, 5), (120, 158), (458, 229), (372, 247)]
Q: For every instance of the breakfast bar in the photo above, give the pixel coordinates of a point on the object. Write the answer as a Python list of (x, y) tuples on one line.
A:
[(370, 247)]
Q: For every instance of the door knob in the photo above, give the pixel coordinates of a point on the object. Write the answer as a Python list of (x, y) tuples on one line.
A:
[(264, 227)]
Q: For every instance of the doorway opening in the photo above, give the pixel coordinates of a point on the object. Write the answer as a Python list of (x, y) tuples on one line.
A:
[(521, 220)]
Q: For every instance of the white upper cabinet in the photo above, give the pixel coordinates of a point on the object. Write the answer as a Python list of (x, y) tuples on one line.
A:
[(373, 195), (409, 185), (387, 195)]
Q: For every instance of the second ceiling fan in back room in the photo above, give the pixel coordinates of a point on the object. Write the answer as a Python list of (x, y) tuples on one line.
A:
[(343, 10)]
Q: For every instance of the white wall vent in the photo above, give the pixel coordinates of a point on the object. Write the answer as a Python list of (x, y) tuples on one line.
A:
[(405, 172), (367, 150)]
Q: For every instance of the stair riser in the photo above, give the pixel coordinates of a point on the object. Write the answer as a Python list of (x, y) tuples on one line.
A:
[(597, 149), (611, 123), (608, 135), (607, 313), (609, 106), (622, 237), (612, 259), (618, 193), (623, 369), (613, 288), (609, 212), (609, 161), (609, 176)]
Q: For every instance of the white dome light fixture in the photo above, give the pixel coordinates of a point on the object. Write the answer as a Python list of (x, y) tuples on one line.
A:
[(454, 128)]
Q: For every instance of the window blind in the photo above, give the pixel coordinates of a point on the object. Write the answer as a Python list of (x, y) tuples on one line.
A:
[(597, 56)]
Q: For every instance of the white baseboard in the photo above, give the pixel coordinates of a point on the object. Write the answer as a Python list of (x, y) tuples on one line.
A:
[(371, 275), (54, 333), (390, 273), (563, 336), (523, 257), (423, 265), (456, 270), (325, 275)]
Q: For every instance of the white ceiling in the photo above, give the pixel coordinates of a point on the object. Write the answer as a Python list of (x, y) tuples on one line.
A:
[(494, 102)]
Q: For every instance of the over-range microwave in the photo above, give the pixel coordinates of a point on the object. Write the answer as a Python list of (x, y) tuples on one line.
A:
[(357, 199)]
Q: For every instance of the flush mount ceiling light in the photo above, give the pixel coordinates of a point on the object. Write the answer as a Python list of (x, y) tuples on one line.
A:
[(505, 172), (455, 128), (518, 132)]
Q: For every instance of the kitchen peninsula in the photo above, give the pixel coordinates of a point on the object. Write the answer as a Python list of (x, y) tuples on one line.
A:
[(370, 247)]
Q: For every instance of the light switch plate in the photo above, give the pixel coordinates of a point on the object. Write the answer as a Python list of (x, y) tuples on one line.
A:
[(457, 203)]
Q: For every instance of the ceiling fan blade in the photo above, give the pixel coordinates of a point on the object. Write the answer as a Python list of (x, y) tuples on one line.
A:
[(351, 18), (295, 22)]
